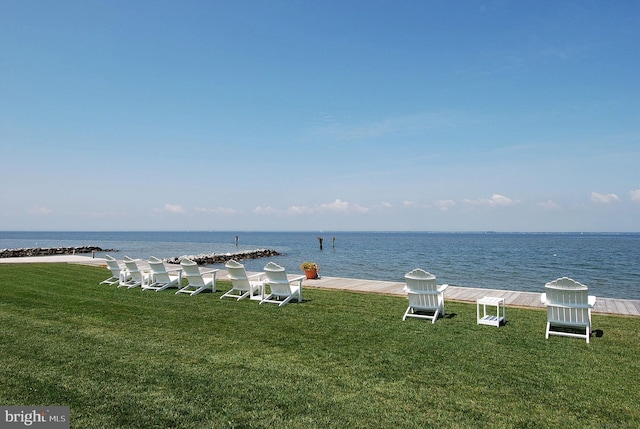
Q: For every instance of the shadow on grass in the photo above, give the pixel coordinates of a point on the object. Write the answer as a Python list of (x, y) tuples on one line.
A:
[(598, 333)]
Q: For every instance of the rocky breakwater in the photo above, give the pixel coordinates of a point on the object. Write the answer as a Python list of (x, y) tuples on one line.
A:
[(220, 258), (48, 251)]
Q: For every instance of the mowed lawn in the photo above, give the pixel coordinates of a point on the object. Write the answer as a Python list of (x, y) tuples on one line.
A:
[(127, 358)]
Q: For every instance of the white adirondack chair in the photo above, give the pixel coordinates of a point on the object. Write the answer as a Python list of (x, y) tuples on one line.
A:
[(161, 278), (136, 276), (197, 279), (426, 299), (242, 286), (568, 308), (118, 274), (282, 289)]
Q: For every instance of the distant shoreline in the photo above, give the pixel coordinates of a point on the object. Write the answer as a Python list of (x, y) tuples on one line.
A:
[(81, 231), (50, 251)]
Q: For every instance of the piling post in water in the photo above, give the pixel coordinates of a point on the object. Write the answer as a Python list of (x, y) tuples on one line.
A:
[(333, 242), (320, 241), (236, 241)]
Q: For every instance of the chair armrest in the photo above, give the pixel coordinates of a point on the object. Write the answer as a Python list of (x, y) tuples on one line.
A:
[(297, 279), (209, 271), (174, 269), (422, 292), (255, 275), (562, 305), (442, 288), (590, 304)]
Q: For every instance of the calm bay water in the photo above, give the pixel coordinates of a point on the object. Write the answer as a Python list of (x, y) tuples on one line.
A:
[(608, 263)]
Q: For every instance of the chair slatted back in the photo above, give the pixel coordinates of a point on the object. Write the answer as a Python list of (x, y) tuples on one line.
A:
[(420, 281), (238, 275), (423, 300), (567, 301), (132, 267), (277, 279), (113, 266), (158, 270), (192, 272), (421, 288)]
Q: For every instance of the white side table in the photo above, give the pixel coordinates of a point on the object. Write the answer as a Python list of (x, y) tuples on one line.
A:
[(257, 280), (257, 296), (491, 319)]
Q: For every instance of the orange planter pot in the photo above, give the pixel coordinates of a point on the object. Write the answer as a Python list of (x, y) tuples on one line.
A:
[(311, 274)]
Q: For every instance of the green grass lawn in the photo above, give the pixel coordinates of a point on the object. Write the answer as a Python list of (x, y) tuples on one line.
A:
[(127, 358)]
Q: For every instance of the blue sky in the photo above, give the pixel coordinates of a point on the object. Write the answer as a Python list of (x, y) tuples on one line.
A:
[(320, 115)]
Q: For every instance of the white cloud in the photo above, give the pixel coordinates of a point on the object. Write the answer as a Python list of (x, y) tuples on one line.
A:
[(501, 200), (494, 201), (604, 198), (171, 208), (549, 205), (39, 210), (635, 194), (337, 206), (218, 210), (444, 205), (409, 203), (299, 210), (265, 210)]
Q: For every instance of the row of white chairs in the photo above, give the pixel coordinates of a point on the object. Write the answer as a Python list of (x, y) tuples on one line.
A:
[(568, 303), (282, 288)]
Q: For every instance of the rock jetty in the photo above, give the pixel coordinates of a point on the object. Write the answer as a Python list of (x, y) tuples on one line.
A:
[(48, 251), (220, 258)]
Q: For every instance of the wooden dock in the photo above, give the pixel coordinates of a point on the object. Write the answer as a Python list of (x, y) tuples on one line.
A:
[(623, 307)]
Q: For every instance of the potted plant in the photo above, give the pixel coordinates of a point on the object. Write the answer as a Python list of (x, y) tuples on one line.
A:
[(310, 269)]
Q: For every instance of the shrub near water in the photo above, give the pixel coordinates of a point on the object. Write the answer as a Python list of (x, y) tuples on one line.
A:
[(133, 358)]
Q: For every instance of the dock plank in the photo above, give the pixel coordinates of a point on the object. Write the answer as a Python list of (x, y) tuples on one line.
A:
[(632, 310)]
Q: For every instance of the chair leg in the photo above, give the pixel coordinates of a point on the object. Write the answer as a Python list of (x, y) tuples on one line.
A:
[(406, 313), (548, 327), (285, 301), (266, 298), (163, 287), (197, 291)]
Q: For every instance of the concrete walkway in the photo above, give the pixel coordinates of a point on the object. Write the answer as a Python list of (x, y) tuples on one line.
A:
[(75, 259), (623, 307)]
